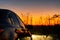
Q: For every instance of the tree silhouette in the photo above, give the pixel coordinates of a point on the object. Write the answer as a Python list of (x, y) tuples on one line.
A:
[(55, 16)]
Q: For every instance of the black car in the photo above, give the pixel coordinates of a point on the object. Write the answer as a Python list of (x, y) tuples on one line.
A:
[(12, 27)]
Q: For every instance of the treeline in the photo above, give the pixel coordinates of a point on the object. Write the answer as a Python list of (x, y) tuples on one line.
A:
[(42, 29)]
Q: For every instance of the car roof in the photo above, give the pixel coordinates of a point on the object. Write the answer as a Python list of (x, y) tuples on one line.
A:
[(5, 11)]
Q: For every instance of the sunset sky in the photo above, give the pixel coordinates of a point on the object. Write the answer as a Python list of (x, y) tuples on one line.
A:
[(34, 8)]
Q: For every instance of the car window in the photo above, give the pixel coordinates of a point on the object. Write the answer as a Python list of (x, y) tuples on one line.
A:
[(13, 20)]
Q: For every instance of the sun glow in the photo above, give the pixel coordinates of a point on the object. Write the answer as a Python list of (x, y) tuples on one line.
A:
[(42, 21), (38, 20)]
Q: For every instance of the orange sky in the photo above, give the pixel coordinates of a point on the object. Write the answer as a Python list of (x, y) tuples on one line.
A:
[(38, 19), (40, 10)]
